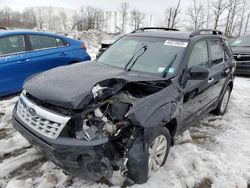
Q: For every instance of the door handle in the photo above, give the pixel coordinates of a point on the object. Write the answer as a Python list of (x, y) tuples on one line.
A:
[(24, 61), (63, 53), (210, 80)]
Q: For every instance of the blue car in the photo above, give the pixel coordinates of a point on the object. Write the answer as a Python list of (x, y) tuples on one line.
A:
[(25, 53)]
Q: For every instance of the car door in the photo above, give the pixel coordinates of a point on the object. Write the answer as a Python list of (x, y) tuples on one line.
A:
[(46, 53), (197, 93), (14, 64), (218, 67)]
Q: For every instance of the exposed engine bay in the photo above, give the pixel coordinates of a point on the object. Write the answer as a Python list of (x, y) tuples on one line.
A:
[(108, 118)]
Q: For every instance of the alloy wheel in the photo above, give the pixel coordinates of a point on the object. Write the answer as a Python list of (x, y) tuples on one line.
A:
[(157, 152)]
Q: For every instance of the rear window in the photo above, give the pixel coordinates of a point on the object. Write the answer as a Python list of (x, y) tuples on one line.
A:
[(41, 42), (60, 42), (12, 44)]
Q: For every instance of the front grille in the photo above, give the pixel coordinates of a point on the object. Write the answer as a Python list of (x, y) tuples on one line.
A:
[(41, 120), (242, 57)]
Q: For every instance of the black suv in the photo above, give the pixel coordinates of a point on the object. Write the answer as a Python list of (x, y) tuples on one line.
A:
[(123, 111), (241, 51)]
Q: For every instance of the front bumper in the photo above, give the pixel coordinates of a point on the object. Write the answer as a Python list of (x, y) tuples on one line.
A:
[(242, 68), (82, 159)]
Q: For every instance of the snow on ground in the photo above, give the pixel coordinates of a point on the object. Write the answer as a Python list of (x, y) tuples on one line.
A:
[(213, 153)]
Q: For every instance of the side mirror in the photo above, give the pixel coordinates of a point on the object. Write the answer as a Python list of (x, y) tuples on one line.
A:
[(198, 73)]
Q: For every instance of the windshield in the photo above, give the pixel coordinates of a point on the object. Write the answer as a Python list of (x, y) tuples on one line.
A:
[(241, 42), (145, 54)]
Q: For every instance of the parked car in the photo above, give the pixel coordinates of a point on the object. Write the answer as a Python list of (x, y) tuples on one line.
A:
[(123, 111), (241, 51), (3, 28), (25, 53), (106, 43)]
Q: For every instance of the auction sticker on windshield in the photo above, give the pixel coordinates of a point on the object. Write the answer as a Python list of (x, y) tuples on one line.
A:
[(176, 43)]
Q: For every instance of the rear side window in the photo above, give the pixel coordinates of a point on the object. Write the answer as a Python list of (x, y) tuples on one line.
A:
[(199, 55), (60, 42), (42, 42), (12, 44), (217, 52)]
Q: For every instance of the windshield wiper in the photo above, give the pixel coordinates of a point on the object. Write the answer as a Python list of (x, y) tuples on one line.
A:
[(144, 48), (165, 72)]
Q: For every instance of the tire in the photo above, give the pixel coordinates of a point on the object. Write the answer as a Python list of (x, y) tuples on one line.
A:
[(158, 149), (139, 157), (73, 62), (222, 106)]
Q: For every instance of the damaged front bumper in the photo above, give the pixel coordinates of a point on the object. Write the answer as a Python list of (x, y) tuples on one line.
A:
[(82, 159)]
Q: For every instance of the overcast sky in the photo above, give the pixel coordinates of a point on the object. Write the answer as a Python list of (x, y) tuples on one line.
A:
[(150, 6)]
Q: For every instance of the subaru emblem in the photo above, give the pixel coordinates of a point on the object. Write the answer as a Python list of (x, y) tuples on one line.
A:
[(32, 111)]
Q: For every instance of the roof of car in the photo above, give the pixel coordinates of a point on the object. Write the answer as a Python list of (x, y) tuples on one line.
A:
[(175, 34), (164, 34), (27, 32)]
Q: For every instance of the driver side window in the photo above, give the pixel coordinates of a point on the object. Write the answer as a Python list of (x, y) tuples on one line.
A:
[(199, 55)]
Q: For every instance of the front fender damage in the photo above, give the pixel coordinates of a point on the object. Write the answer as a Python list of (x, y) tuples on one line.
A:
[(125, 112)]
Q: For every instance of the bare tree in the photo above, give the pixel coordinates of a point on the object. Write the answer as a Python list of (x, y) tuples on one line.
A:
[(50, 12), (10, 18), (218, 8), (196, 15), (29, 18), (247, 21), (123, 9), (89, 18), (64, 19), (137, 18), (233, 16), (39, 17), (243, 12), (98, 19), (6, 16), (171, 14)]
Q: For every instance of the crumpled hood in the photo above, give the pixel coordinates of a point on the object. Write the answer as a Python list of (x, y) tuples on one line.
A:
[(68, 86), (239, 50)]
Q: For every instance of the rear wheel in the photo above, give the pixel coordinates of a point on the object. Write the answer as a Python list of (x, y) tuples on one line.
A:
[(222, 106)]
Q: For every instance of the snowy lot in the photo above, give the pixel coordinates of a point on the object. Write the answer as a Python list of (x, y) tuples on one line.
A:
[(214, 153)]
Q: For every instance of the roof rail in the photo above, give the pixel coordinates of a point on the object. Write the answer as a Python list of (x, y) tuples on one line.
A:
[(149, 28), (205, 32)]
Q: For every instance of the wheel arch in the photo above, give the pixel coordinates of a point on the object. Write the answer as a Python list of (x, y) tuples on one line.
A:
[(230, 84), (73, 62), (172, 128)]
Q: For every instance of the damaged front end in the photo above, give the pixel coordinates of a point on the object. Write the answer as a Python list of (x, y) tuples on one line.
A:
[(106, 117), (106, 135)]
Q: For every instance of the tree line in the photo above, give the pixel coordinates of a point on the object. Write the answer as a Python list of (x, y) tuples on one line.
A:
[(230, 16)]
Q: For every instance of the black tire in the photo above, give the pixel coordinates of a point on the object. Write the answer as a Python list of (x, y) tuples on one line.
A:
[(138, 155), (162, 131), (222, 106)]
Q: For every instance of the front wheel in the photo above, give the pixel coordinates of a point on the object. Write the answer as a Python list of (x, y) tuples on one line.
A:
[(222, 106), (158, 150), (148, 153)]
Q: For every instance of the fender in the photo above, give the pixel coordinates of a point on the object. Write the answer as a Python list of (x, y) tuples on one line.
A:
[(230, 80), (152, 110)]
